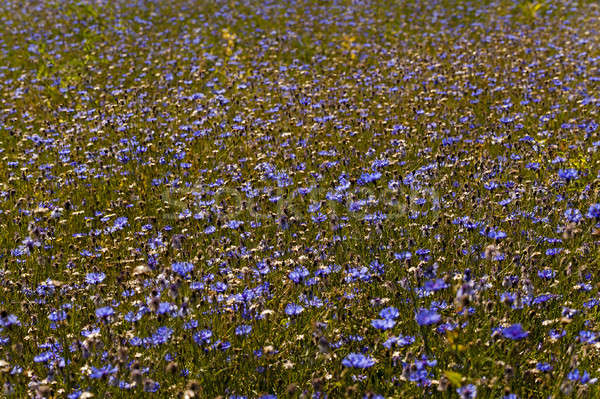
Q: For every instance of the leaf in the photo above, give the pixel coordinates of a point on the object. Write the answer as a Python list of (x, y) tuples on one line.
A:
[(454, 377)]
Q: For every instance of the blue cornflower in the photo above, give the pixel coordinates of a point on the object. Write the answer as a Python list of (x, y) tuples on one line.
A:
[(104, 312), (467, 391), (57, 315), (543, 367), (573, 215), (298, 274), (44, 357), (383, 324), (542, 298), (88, 332), (546, 274), (151, 386), (190, 325), (553, 251), (319, 217), (243, 329), (182, 268), (358, 360), (588, 337), (573, 375), (422, 252), (593, 211), (202, 337), (75, 394), (366, 178), (9, 320), (389, 313), (234, 224), (406, 255), (399, 341), (426, 317), (293, 309), (435, 285), (219, 286), (515, 332), (103, 371), (95, 278), (568, 174), (163, 308)]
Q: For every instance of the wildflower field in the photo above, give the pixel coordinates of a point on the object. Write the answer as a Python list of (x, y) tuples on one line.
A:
[(299, 198)]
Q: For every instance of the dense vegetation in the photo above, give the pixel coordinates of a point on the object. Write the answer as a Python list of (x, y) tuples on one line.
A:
[(299, 198)]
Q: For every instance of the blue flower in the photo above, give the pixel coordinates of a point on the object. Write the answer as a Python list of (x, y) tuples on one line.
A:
[(103, 371), (234, 224), (163, 308), (298, 274), (319, 217), (546, 274), (406, 255), (568, 174), (543, 367), (573, 215), (243, 329), (182, 268), (75, 394), (43, 357), (95, 278), (383, 324), (515, 332), (219, 287), (358, 360), (593, 211), (9, 320), (573, 375), (293, 309), (426, 317), (366, 178), (57, 315), (555, 334), (389, 313), (151, 386), (398, 341), (104, 312), (202, 337), (553, 251), (467, 392)]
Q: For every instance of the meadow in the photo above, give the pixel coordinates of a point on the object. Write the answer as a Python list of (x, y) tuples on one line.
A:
[(299, 198)]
